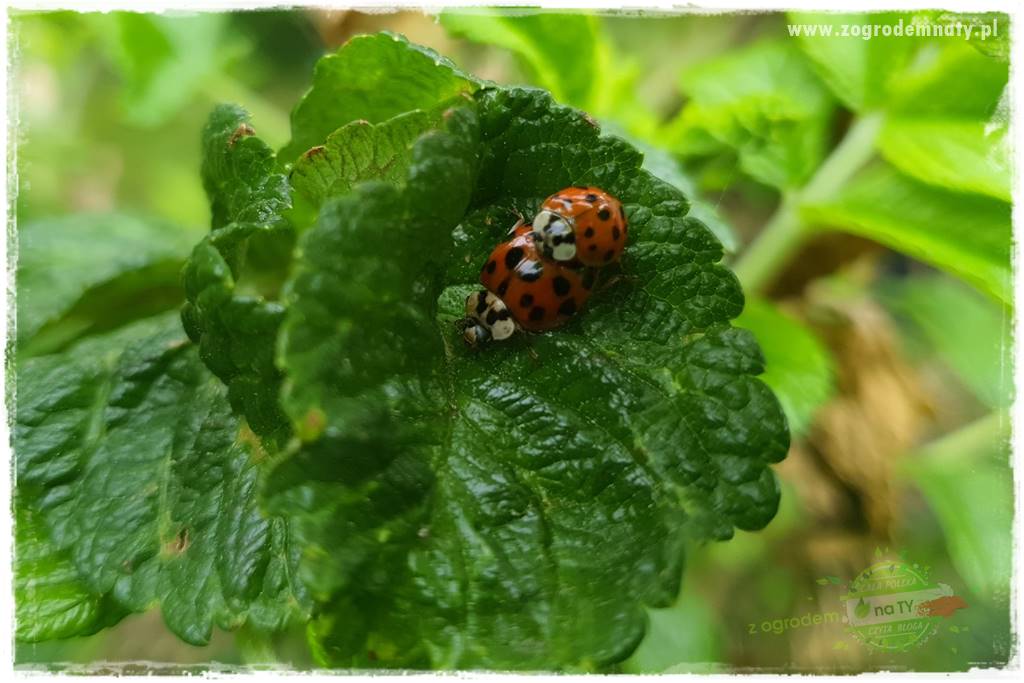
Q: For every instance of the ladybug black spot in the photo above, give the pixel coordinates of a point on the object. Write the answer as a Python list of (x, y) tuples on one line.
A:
[(503, 287), (561, 285), (591, 198), (537, 313), (609, 255), (491, 266), (589, 232), (604, 214), (513, 257), (616, 233), (526, 300), (592, 247), (567, 308)]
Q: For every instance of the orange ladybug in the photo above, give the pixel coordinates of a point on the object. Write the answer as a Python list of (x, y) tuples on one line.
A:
[(523, 291), (582, 224)]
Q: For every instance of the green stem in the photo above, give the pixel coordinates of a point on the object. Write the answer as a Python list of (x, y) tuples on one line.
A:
[(968, 442), (785, 231)]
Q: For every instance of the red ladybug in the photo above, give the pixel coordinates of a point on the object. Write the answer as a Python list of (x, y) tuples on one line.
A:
[(524, 291), (581, 224)]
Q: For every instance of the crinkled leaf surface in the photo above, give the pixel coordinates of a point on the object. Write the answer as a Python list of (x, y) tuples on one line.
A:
[(147, 481), (966, 234), (356, 151), (50, 600), (515, 507), (371, 77), (234, 325), (79, 272)]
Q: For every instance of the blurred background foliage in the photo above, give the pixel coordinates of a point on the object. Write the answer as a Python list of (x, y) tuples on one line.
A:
[(861, 188)]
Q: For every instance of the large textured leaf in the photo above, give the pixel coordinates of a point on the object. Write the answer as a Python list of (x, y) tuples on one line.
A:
[(50, 600), (516, 507), (962, 155), (798, 367), (90, 271), (357, 151), (146, 480), (371, 78), (234, 322), (965, 234), (765, 103)]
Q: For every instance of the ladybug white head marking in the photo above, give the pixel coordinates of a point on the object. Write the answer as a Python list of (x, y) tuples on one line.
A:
[(556, 236), (487, 318)]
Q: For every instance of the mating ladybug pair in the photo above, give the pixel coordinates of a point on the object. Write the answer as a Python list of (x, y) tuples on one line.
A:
[(544, 273)]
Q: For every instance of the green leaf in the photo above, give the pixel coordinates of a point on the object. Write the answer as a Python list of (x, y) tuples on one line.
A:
[(961, 155), (562, 52), (515, 507), (371, 78), (971, 333), (964, 234), (967, 481), (89, 272), (357, 151), (233, 320), (147, 482), (764, 102), (956, 81), (664, 166), (163, 60), (860, 71), (798, 367), (50, 601)]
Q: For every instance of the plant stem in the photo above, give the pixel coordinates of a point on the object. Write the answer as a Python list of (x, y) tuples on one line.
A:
[(785, 231)]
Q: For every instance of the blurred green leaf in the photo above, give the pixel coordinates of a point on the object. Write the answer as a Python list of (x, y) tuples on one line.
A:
[(431, 478), (568, 54), (798, 367), (564, 53), (89, 272), (967, 481), (990, 31), (50, 600), (764, 102), (965, 234), (682, 638), (861, 72), (164, 59), (949, 80), (148, 483), (970, 332), (962, 155), (371, 78)]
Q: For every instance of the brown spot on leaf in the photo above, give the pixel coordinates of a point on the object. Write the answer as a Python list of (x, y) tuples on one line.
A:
[(313, 151), (177, 545), (244, 130)]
